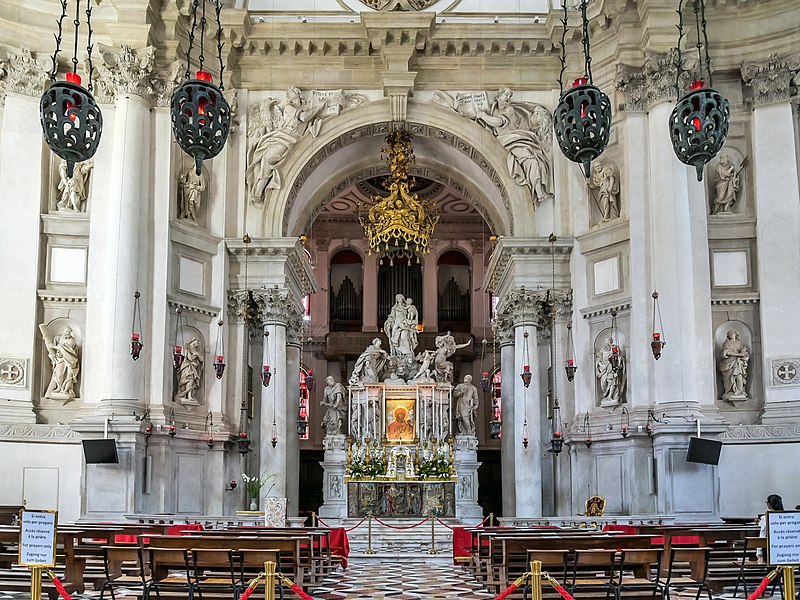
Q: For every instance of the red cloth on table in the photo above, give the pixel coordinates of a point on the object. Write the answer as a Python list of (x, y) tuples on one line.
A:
[(677, 540), (462, 542), (626, 529), (181, 529), (340, 546)]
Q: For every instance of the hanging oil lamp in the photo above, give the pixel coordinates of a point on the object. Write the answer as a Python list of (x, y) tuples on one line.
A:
[(243, 439), (569, 365), (657, 344), (136, 336), (209, 427), (625, 422), (177, 354), (587, 431)]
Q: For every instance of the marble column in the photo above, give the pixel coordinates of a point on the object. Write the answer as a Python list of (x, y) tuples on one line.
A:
[(507, 416), (778, 229), (294, 332)]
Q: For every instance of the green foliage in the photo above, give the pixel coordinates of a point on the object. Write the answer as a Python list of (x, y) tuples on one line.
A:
[(436, 467), (364, 470)]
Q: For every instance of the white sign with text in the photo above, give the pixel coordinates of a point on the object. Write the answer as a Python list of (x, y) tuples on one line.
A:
[(783, 535), (37, 538)]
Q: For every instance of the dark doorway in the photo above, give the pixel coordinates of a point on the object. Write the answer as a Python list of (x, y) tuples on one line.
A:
[(490, 483), (311, 479)]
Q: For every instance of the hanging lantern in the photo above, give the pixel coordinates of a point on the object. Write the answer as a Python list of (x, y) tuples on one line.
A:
[(587, 430), (310, 380), (201, 117), (625, 424), (698, 125), (266, 375), (136, 342), (177, 354), (556, 442), (274, 436), (71, 120), (210, 430), (177, 357), (582, 119), (172, 431), (244, 442), (243, 439), (526, 375), (485, 381), (302, 426), (219, 352), (614, 359), (219, 366), (148, 424), (569, 366), (657, 344), (525, 433)]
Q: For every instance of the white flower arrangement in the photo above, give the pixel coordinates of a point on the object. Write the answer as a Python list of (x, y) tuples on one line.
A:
[(254, 483)]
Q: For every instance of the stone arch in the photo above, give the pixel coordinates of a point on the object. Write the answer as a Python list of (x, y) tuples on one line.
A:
[(440, 135)]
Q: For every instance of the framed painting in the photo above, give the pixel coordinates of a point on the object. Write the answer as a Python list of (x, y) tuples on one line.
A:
[(401, 420)]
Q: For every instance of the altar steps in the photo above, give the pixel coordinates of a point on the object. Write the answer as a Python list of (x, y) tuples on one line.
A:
[(389, 542)]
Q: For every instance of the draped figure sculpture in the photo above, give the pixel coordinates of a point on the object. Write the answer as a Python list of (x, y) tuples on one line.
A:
[(726, 186), (466, 396), (606, 187), (190, 194), (612, 379), (445, 348), (62, 350), (733, 366), (370, 364), (74, 190), (334, 398), (190, 373)]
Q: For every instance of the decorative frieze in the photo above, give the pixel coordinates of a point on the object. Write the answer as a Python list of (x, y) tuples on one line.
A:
[(23, 73), (399, 5), (126, 71), (747, 433), (771, 80), (35, 433)]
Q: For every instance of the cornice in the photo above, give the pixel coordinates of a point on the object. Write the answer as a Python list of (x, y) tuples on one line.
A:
[(605, 309), (733, 300), (53, 296), (508, 248), (205, 310)]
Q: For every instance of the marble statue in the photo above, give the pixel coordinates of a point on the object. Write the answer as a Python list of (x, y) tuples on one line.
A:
[(425, 361), (445, 348), (190, 373), (74, 190), (190, 193), (401, 328), (466, 396), (612, 380), (726, 186), (64, 357), (370, 364), (334, 398), (524, 129), (272, 131), (733, 366), (606, 188)]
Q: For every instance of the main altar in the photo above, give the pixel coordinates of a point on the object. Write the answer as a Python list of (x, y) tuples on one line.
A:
[(400, 438)]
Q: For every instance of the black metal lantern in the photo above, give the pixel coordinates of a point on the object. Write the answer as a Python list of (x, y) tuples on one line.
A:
[(582, 119), (243, 439), (556, 442), (698, 125), (71, 120), (219, 352), (136, 336), (201, 117)]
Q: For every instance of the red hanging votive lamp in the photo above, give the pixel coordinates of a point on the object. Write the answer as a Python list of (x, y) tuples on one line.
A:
[(244, 442), (243, 439), (556, 442), (569, 365), (614, 358), (657, 344), (310, 380), (587, 430), (625, 422), (525, 433), (172, 432), (302, 419), (177, 354), (219, 366), (526, 375), (219, 351), (274, 436), (136, 341), (177, 357), (148, 424), (485, 381), (266, 375)]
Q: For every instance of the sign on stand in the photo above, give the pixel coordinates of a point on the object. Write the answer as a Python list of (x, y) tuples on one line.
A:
[(783, 538), (37, 538)]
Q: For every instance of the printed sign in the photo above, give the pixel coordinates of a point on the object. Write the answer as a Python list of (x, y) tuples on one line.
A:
[(37, 538), (783, 538)]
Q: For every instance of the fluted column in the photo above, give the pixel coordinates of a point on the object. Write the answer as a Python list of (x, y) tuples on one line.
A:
[(778, 230), (118, 260)]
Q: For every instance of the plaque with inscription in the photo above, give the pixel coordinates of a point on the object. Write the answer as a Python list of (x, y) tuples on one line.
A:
[(37, 538), (783, 538)]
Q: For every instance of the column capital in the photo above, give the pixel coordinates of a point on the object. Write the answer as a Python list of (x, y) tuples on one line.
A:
[(22, 72), (654, 81), (771, 79), (125, 70), (277, 306)]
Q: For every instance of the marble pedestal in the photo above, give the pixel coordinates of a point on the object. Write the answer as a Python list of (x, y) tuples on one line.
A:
[(334, 492), (466, 465)]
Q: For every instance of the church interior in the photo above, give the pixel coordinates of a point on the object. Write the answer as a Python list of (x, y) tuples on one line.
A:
[(400, 274)]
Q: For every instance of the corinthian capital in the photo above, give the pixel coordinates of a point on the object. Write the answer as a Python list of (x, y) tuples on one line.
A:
[(654, 81), (20, 72), (771, 80), (276, 305), (125, 71)]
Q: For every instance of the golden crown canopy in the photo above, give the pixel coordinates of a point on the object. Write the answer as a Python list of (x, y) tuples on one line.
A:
[(400, 224)]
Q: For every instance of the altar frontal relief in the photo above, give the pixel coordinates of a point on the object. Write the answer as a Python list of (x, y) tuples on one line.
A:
[(401, 414)]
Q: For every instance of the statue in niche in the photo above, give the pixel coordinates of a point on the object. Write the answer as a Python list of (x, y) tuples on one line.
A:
[(445, 348), (74, 190), (401, 328), (612, 379), (370, 364), (190, 373), (466, 396), (524, 129), (64, 357), (726, 186), (334, 398), (733, 367), (190, 194), (606, 190)]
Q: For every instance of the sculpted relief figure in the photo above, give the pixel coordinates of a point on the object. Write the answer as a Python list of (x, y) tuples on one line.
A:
[(74, 190), (190, 373), (62, 349), (466, 396), (334, 398), (726, 186), (524, 129), (190, 193), (733, 367), (605, 186), (612, 379), (370, 364)]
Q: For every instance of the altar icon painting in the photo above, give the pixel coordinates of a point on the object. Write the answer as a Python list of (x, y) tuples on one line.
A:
[(400, 419)]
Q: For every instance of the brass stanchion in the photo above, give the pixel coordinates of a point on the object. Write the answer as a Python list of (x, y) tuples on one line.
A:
[(433, 535), (36, 583), (269, 581), (536, 580), (491, 519), (369, 535), (313, 519), (788, 583)]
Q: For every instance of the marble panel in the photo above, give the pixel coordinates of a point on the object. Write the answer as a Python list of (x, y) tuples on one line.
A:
[(606, 275), (610, 476), (192, 278), (730, 268), (68, 265), (191, 484)]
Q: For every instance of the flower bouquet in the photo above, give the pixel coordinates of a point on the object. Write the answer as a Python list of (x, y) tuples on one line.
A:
[(253, 484)]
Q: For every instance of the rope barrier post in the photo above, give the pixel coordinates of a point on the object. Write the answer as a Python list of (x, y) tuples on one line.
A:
[(433, 535), (313, 519), (491, 519), (536, 580), (788, 582), (269, 580), (369, 535), (36, 583)]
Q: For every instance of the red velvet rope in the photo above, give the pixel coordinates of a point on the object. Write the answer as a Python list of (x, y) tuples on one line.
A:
[(507, 592), (443, 523), (482, 523), (320, 521), (356, 525), (762, 587), (247, 593), (299, 591), (425, 520), (564, 593), (62, 591)]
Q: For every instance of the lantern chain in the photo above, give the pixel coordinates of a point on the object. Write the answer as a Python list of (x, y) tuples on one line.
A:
[(678, 55), (218, 10), (77, 23), (202, 57), (89, 45), (563, 56), (698, 44), (195, 4), (705, 40), (58, 36), (586, 55)]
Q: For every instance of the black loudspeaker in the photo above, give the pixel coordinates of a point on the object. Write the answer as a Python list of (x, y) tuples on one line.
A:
[(703, 451), (100, 452)]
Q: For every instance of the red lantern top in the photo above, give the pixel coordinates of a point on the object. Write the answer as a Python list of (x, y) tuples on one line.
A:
[(697, 85), (73, 77), (579, 81), (203, 76)]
